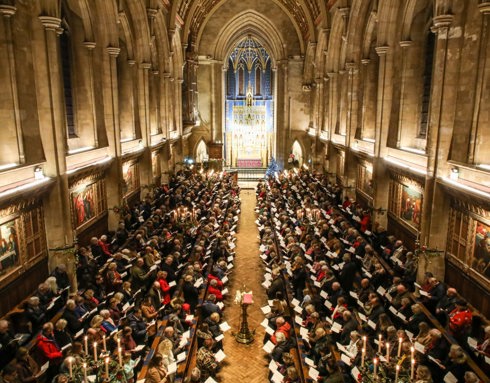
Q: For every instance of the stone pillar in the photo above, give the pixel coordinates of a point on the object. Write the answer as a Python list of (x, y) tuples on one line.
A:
[(352, 102), (283, 120), (364, 95), (332, 102), (146, 171), (7, 11), (433, 229), (217, 103), (114, 174), (57, 210), (381, 180), (166, 115), (473, 155), (90, 69)]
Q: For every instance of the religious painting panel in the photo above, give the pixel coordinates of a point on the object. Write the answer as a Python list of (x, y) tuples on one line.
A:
[(469, 238), (131, 177), (365, 178), (22, 238), (406, 201), (88, 202)]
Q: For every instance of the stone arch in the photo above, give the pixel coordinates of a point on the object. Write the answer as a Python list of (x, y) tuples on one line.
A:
[(298, 151), (336, 57), (201, 151), (362, 14), (252, 23)]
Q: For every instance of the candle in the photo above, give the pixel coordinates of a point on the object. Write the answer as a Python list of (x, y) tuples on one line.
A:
[(118, 342), (387, 352), (412, 370), (107, 367), (364, 342), (375, 363), (412, 351), (104, 343), (400, 341), (397, 372), (70, 366), (95, 351), (379, 343), (119, 354), (85, 373), (363, 356), (85, 341)]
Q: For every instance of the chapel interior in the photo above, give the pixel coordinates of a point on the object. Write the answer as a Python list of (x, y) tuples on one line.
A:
[(102, 101)]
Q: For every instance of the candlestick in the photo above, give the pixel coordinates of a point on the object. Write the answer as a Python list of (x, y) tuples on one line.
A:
[(387, 352), (119, 354), (85, 341), (363, 356), (400, 340), (95, 351), (107, 367), (85, 373), (397, 373), (104, 343), (375, 363), (412, 370), (380, 337)]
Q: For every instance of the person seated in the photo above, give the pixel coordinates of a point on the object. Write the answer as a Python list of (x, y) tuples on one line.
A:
[(107, 324), (460, 320), (206, 361), (282, 346), (61, 336), (209, 306), (27, 368), (74, 323), (128, 344), (456, 363), (138, 325), (423, 374), (35, 313), (281, 326), (62, 279), (156, 370), (49, 351)]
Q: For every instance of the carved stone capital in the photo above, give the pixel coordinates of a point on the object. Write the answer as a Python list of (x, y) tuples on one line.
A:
[(441, 22), (113, 51), (7, 10), (382, 50), (145, 65), (131, 62), (406, 43), (50, 23), (484, 7), (365, 61), (89, 45)]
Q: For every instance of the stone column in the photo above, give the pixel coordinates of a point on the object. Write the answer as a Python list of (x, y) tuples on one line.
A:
[(57, 210), (283, 120), (7, 11), (381, 181), (364, 95), (332, 76), (90, 69), (433, 229), (484, 8), (166, 115), (352, 101), (146, 171), (114, 174)]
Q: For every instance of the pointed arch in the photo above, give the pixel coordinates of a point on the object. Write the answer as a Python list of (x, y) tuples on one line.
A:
[(298, 152), (201, 151)]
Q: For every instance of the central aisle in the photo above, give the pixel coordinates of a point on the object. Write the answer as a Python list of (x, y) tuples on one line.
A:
[(246, 363)]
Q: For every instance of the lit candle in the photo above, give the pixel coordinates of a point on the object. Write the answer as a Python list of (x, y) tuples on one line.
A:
[(118, 342), (397, 372), (85, 341), (119, 354), (412, 370), (85, 373), (70, 366), (400, 341), (387, 352), (95, 351), (104, 343), (363, 356), (412, 352), (375, 363), (107, 367), (379, 343), (364, 342)]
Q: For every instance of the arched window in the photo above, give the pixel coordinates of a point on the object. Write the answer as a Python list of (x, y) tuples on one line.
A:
[(258, 79), (65, 52), (297, 153), (427, 82), (241, 81), (201, 152)]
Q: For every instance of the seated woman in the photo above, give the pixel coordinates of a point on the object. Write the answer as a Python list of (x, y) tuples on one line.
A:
[(128, 344), (61, 336), (156, 371), (107, 324), (27, 369)]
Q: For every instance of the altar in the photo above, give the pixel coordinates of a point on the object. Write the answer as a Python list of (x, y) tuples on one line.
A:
[(249, 163)]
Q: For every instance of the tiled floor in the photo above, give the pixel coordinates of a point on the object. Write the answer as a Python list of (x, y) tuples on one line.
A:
[(246, 363)]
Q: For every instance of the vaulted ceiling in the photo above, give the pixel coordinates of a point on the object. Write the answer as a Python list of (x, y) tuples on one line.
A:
[(305, 15)]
